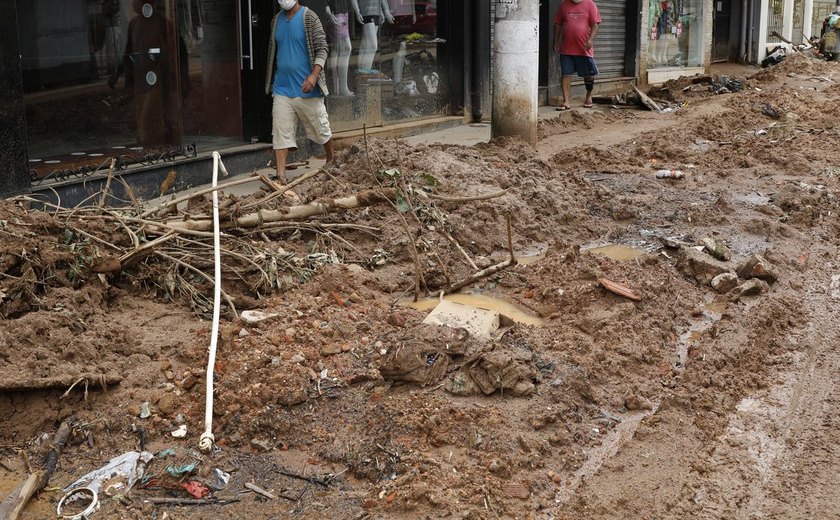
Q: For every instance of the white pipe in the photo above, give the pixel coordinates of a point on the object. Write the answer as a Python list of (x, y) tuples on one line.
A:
[(516, 60), (207, 439)]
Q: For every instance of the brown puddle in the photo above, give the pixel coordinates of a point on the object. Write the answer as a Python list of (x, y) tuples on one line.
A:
[(617, 252), (480, 301), (529, 259)]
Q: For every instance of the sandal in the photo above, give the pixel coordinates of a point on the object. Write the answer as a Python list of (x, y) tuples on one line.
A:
[(587, 105), (563, 108)]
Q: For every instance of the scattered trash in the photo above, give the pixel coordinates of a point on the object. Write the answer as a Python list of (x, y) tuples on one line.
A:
[(179, 471), (777, 56), (619, 289), (669, 174), (218, 479), (252, 318), (724, 84), (181, 432), (768, 110), (195, 488), (76, 495), (145, 412)]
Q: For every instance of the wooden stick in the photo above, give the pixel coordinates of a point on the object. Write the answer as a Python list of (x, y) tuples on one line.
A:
[(190, 501), (490, 271), (174, 202), (63, 381), (108, 182), (13, 505), (469, 198), (283, 189), (260, 491)]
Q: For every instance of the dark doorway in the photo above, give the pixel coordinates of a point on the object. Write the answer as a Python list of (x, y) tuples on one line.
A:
[(721, 32), (546, 52), (255, 27)]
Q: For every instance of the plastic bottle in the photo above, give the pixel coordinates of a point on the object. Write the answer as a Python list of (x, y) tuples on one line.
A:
[(669, 174)]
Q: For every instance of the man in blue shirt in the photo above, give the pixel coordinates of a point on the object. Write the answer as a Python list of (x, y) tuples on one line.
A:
[(297, 52)]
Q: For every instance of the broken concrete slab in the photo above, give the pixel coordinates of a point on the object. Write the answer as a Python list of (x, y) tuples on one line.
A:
[(700, 266), (479, 323)]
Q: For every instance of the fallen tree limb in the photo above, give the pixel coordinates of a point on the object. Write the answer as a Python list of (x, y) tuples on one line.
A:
[(63, 381), (13, 505), (324, 207), (490, 271), (163, 208), (469, 198), (283, 189)]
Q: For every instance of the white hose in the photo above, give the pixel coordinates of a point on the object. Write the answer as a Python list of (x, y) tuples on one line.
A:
[(207, 439)]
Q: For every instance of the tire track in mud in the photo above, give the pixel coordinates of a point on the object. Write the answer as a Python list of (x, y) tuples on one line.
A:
[(778, 457)]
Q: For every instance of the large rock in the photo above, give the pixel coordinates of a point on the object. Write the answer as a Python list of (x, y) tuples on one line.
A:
[(700, 266), (752, 287), (757, 267), (724, 282)]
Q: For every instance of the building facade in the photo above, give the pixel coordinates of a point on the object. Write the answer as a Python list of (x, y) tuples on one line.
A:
[(165, 82)]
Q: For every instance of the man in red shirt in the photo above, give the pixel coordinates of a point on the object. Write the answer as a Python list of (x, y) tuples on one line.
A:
[(575, 27)]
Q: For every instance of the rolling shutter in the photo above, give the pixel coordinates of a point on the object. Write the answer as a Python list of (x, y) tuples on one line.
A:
[(611, 40)]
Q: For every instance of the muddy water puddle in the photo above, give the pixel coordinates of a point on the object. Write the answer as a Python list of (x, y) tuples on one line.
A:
[(533, 254), (480, 301), (617, 252), (712, 313)]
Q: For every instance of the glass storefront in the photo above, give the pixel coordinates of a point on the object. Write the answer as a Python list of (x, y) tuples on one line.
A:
[(676, 35), (385, 61), (128, 78)]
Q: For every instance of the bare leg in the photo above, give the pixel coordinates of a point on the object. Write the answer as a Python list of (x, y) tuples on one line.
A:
[(328, 148), (567, 89), (589, 82), (280, 156)]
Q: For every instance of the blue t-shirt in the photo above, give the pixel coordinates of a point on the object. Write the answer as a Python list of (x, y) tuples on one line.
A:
[(292, 58)]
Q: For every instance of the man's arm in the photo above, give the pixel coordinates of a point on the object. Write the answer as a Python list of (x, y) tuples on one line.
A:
[(593, 31), (558, 37), (322, 51)]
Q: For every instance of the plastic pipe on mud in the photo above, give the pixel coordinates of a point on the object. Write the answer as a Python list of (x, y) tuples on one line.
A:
[(207, 439)]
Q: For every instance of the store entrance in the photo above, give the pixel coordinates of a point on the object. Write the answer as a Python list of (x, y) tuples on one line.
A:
[(139, 81)]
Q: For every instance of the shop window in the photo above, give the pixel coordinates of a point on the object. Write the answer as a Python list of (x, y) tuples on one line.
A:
[(386, 61), (676, 33)]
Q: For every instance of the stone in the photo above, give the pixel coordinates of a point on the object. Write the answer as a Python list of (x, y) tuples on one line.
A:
[(170, 375), (297, 359), (252, 318), (189, 381), (262, 444), (329, 349), (398, 319), (700, 266), (166, 404), (355, 298), (757, 267), (752, 287), (243, 333), (717, 248), (724, 282)]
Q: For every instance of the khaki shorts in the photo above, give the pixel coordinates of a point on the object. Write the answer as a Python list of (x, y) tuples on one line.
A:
[(285, 115)]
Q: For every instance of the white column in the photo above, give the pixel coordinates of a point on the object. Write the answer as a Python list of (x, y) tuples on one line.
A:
[(516, 70), (763, 16), (807, 18), (787, 20)]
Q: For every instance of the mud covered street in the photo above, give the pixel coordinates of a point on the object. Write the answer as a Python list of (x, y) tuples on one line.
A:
[(710, 392)]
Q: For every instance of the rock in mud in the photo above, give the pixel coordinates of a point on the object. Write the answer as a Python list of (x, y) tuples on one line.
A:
[(724, 282), (717, 248), (699, 265), (757, 267), (752, 287)]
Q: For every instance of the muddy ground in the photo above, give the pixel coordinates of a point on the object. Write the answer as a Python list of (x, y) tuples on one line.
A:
[(693, 402)]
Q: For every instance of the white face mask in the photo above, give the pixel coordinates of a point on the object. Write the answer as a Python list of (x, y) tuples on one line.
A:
[(286, 5)]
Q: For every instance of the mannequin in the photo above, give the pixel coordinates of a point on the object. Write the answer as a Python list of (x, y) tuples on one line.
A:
[(400, 8), (371, 14), (338, 35)]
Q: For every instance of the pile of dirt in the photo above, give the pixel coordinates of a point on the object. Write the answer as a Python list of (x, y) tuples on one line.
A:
[(346, 403)]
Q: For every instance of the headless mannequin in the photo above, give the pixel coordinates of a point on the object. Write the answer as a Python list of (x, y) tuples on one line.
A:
[(339, 37), (370, 14)]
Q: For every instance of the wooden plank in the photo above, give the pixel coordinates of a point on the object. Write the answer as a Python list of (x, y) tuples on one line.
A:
[(646, 101)]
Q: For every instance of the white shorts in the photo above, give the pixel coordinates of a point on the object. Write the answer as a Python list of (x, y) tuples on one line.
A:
[(311, 112)]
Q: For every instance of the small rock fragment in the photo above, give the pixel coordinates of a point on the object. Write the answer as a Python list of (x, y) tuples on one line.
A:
[(262, 444), (166, 404), (752, 287), (699, 266), (329, 349), (252, 318), (243, 333), (717, 248), (757, 267)]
